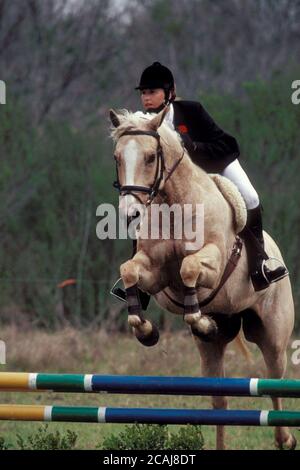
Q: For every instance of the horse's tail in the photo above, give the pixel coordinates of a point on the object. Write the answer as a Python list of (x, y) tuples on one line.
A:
[(242, 346)]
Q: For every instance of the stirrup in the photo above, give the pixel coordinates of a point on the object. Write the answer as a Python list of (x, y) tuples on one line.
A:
[(118, 292), (121, 294), (281, 268), (260, 279)]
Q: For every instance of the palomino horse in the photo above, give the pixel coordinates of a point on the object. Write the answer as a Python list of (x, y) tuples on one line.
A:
[(149, 154)]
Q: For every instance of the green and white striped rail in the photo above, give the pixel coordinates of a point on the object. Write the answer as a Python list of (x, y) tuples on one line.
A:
[(90, 383), (86, 414)]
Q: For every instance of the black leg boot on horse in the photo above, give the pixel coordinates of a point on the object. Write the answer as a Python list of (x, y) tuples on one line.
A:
[(261, 275), (121, 294)]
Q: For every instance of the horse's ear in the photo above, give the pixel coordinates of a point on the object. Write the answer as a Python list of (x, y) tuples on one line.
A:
[(114, 118), (157, 121)]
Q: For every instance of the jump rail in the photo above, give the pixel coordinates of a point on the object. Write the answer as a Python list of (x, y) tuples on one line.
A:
[(87, 414), (88, 383)]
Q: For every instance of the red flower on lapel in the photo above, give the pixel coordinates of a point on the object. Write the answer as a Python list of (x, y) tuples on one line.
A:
[(182, 129)]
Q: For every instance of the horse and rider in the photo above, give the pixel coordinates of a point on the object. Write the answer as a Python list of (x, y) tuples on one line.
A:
[(169, 154), (215, 151)]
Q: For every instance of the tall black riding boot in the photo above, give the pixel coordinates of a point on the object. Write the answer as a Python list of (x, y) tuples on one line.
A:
[(261, 275)]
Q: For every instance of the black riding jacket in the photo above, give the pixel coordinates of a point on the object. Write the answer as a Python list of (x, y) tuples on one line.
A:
[(213, 149)]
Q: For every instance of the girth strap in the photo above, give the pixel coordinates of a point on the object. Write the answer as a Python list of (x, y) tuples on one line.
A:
[(229, 268)]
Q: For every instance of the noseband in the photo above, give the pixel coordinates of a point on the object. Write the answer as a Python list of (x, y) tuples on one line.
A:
[(159, 171)]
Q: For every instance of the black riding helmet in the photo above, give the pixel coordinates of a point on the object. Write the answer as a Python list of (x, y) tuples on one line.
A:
[(157, 76)]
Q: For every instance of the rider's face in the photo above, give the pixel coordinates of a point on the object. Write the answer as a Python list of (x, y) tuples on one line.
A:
[(152, 98)]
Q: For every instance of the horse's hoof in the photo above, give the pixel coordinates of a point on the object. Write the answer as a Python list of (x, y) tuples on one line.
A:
[(150, 339), (289, 444), (206, 329), (207, 337)]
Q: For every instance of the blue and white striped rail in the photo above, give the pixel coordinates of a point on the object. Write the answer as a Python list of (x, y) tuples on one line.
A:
[(17, 381), (85, 414)]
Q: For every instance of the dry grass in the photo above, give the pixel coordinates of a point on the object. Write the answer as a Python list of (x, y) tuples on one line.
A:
[(91, 351)]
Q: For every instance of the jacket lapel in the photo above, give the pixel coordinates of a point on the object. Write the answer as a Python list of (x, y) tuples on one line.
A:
[(178, 115)]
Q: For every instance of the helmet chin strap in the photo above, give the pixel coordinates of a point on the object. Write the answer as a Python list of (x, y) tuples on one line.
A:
[(156, 110)]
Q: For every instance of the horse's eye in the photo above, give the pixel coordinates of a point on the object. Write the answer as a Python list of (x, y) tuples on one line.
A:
[(150, 159)]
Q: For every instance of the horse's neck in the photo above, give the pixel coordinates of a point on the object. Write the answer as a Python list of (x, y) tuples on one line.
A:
[(178, 186)]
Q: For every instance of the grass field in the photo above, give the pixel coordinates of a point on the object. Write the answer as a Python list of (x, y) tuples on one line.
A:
[(75, 351)]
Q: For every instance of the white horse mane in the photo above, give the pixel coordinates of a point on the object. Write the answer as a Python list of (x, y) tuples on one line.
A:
[(130, 121)]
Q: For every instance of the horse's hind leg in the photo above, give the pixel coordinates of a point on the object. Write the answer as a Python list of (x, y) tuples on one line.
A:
[(271, 334), (212, 365)]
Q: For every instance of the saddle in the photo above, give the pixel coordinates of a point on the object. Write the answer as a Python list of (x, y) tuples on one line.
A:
[(236, 201), (234, 198)]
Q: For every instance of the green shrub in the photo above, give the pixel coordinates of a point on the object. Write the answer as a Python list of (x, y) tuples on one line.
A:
[(44, 440), (3, 444), (187, 438), (154, 437)]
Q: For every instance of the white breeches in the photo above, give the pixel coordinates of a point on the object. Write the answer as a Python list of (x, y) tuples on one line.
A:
[(235, 173)]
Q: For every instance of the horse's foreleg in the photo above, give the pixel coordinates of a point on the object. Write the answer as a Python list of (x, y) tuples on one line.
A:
[(130, 271), (202, 267)]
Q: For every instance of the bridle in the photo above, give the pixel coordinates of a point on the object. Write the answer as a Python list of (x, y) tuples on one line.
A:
[(159, 171)]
